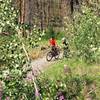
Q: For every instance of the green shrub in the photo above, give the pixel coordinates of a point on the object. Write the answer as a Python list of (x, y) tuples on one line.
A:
[(87, 35), (8, 16), (14, 66)]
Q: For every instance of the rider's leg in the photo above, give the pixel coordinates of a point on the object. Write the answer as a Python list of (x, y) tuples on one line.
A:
[(55, 50)]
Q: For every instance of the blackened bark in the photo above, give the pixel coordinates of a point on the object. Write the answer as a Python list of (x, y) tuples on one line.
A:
[(71, 6)]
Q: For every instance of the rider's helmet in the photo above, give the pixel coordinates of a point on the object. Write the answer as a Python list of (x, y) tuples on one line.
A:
[(63, 40)]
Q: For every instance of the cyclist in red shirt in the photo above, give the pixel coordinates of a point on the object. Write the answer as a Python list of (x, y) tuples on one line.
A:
[(53, 44)]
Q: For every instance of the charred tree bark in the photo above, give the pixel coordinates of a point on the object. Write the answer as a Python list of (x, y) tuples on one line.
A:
[(41, 15), (41, 12)]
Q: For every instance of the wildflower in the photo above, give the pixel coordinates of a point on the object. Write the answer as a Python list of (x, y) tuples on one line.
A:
[(7, 98), (61, 97), (37, 94), (29, 76)]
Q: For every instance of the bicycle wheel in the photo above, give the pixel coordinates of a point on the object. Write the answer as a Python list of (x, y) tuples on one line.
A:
[(57, 55), (49, 56)]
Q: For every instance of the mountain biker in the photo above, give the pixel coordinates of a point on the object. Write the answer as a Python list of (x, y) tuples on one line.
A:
[(65, 47), (53, 44)]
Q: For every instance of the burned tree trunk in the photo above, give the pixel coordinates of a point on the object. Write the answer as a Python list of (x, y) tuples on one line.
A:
[(41, 12)]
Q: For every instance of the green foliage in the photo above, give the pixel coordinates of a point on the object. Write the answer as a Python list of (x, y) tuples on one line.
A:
[(68, 87), (15, 85), (12, 73), (50, 33), (60, 35), (8, 16), (87, 37), (13, 59), (53, 32), (11, 51), (15, 89), (14, 65), (34, 37)]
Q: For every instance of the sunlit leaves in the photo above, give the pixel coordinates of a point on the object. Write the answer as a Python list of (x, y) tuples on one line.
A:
[(7, 15), (87, 39)]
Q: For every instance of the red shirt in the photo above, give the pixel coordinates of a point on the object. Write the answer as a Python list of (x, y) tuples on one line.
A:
[(52, 42)]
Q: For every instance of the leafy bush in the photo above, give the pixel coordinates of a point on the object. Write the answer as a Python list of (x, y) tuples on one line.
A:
[(8, 16), (69, 87), (16, 87), (35, 37), (11, 51), (49, 33), (14, 65), (13, 59), (87, 35)]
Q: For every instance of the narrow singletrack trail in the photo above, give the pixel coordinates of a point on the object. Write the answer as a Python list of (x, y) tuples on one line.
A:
[(40, 64)]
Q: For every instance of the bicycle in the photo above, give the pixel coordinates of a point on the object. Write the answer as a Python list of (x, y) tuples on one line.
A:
[(53, 54)]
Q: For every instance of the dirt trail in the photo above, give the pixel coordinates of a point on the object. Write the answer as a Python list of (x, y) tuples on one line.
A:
[(38, 65)]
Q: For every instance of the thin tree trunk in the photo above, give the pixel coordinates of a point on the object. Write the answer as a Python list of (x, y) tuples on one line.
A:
[(22, 15), (41, 14)]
